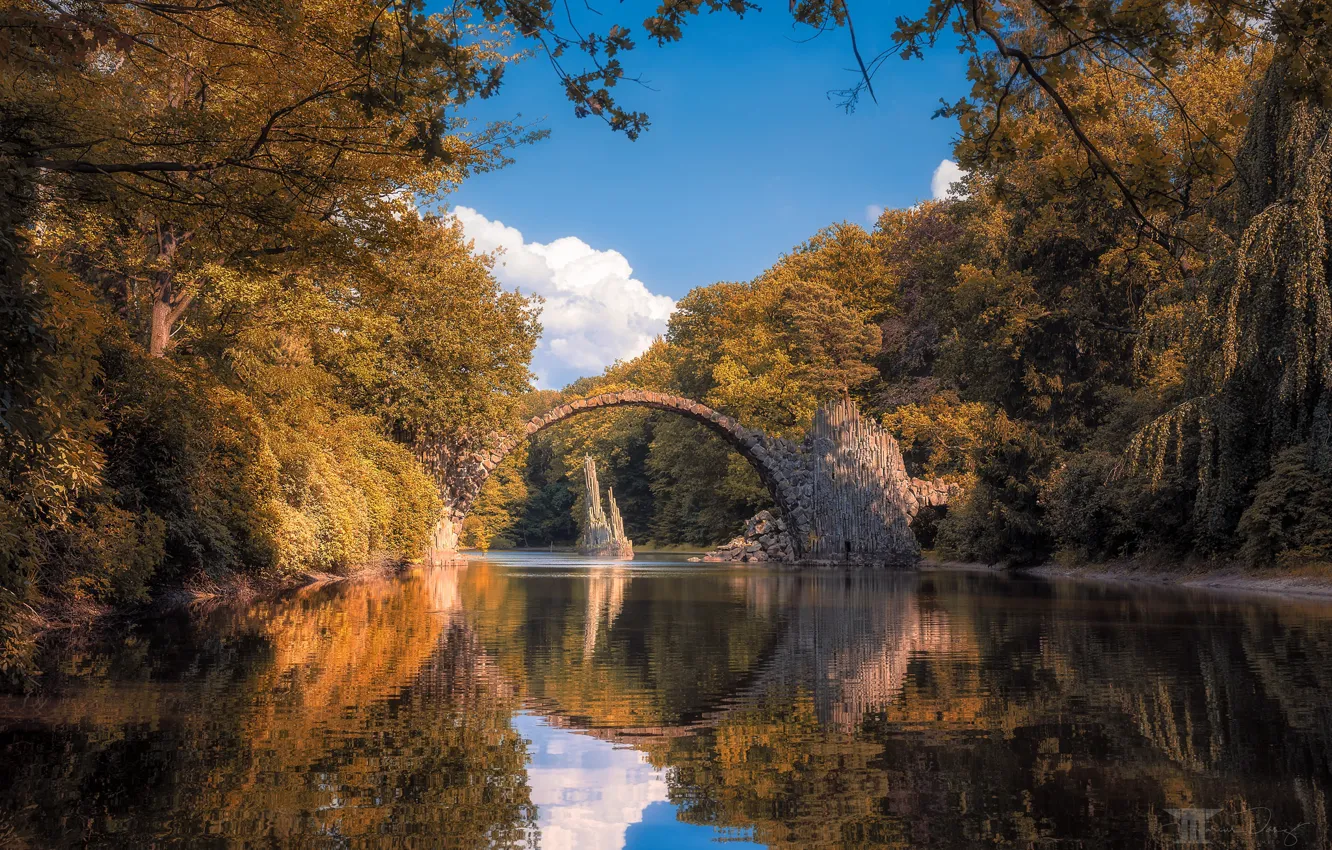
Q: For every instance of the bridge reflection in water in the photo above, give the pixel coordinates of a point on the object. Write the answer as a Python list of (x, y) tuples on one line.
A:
[(595, 706)]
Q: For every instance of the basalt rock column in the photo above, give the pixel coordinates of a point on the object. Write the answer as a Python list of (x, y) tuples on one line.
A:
[(861, 496), (602, 537)]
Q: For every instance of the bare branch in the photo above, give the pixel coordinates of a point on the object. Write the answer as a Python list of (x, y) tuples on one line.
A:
[(864, 73)]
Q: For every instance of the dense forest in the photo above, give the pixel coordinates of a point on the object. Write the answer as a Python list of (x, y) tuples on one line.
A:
[(231, 308)]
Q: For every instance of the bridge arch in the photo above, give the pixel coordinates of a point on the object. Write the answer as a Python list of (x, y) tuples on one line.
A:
[(843, 491), (774, 459)]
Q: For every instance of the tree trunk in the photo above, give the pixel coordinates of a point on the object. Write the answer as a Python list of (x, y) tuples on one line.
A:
[(159, 324), (168, 304)]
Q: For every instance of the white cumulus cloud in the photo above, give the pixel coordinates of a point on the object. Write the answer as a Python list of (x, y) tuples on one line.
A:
[(943, 183), (872, 213), (595, 313)]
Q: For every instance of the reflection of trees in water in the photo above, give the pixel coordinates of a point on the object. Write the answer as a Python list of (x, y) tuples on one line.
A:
[(612, 648), (849, 638), (1229, 699), (367, 719), (655, 653), (822, 709), (786, 756), (976, 712), (1209, 683)]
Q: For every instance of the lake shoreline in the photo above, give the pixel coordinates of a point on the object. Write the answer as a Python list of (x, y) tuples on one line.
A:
[(1227, 577), (198, 592), (1230, 578), (239, 588)]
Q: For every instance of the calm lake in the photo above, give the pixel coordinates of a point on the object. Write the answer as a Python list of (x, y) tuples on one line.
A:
[(540, 700)]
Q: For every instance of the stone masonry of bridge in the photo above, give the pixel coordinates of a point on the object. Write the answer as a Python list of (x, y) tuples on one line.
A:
[(843, 491)]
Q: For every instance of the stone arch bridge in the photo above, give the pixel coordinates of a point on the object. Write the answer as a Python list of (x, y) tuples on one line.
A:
[(843, 491)]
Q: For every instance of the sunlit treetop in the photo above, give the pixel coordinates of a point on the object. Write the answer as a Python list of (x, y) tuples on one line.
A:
[(174, 99)]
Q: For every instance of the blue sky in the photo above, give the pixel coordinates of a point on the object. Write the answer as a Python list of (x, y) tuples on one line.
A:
[(747, 156)]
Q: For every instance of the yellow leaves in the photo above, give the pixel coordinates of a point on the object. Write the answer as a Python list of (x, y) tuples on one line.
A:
[(750, 395), (122, 552), (1002, 305), (346, 493), (500, 503), (941, 435), (1170, 138), (266, 138), (424, 336), (845, 259), (767, 352), (51, 417)]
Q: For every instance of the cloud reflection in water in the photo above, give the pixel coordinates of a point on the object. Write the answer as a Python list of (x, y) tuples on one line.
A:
[(590, 792)]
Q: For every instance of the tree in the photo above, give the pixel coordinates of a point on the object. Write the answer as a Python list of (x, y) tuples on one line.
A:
[(770, 351), (845, 259), (427, 338), (229, 135), (1021, 50), (499, 504), (221, 300)]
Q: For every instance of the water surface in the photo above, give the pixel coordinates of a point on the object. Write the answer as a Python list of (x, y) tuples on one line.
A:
[(541, 700)]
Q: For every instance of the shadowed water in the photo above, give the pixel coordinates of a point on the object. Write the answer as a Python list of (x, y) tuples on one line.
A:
[(539, 700)]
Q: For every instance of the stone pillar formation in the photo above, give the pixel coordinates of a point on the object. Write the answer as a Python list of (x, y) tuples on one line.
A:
[(860, 491), (601, 537)]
